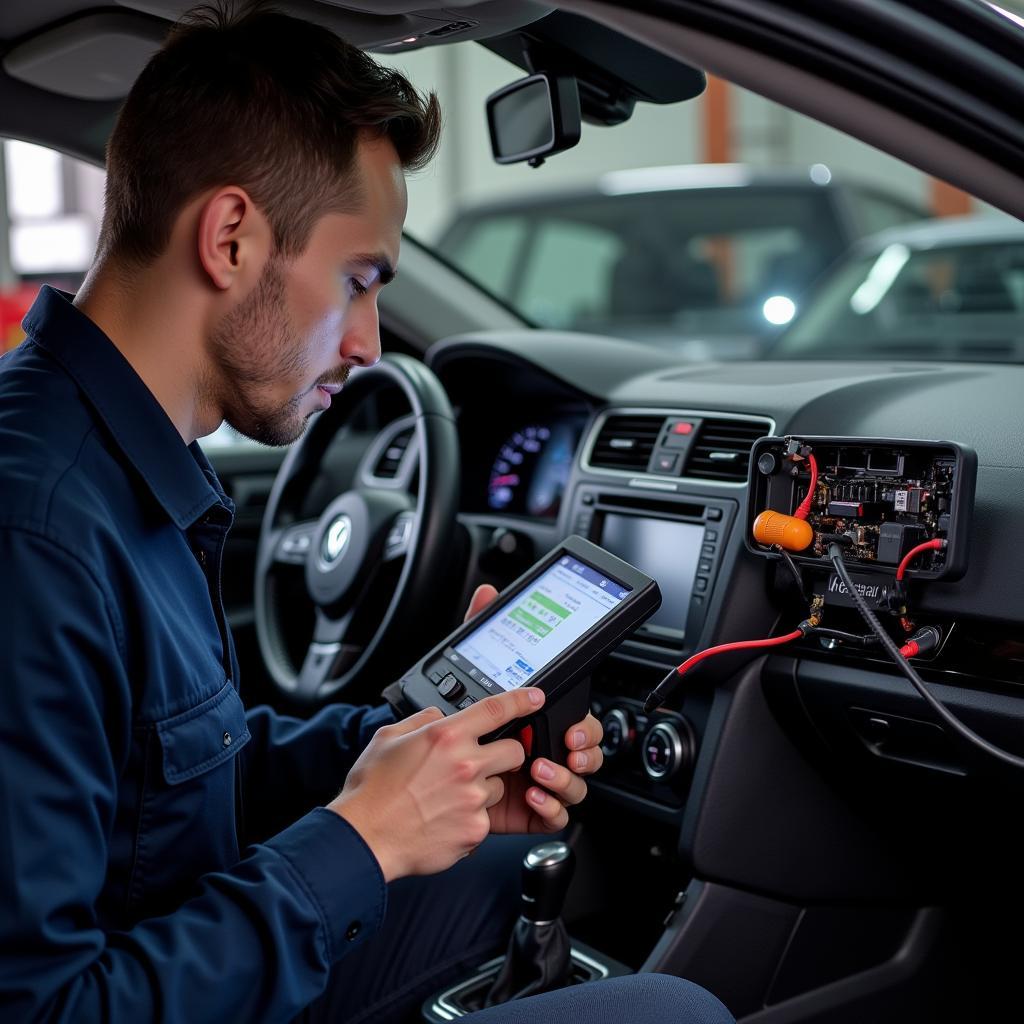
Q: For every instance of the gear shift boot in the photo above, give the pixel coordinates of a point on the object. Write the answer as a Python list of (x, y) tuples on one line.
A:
[(540, 954), (537, 961), (538, 951)]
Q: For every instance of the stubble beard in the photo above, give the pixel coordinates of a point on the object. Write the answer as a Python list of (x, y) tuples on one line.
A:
[(253, 348)]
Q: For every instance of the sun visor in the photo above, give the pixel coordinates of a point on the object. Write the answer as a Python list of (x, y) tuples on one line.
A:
[(94, 57)]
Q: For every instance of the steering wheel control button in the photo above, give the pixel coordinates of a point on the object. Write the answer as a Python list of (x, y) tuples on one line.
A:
[(295, 546), (450, 688), (435, 675), (465, 702), (618, 733), (397, 542), (662, 752)]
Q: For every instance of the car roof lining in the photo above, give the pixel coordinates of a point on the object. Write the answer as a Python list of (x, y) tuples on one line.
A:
[(365, 24)]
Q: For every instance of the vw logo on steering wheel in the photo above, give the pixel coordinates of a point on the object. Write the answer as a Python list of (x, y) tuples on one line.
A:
[(336, 539)]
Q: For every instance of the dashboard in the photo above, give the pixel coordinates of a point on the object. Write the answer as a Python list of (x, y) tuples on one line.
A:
[(522, 466), (623, 445)]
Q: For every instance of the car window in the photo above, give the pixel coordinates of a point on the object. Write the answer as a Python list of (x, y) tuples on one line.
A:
[(567, 271), (920, 300), (652, 231), (697, 260), (51, 206), (50, 209), (493, 247), (877, 212)]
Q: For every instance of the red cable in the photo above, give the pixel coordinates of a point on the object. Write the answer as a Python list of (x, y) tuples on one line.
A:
[(805, 506), (741, 645), (929, 545)]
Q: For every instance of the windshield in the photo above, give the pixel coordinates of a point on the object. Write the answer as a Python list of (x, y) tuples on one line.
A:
[(960, 300), (706, 227), (699, 261)]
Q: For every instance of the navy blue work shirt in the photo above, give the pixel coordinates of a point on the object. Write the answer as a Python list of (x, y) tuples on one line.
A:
[(126, 890)]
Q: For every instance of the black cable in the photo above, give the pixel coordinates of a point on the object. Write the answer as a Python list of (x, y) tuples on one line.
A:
[(793, 569), (835, 553), (867, 640)]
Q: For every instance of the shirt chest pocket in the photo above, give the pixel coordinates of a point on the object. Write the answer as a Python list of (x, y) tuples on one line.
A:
[(186, 825), (198, 740)]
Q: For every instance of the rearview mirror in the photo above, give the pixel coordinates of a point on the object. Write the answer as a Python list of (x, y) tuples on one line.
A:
[(533, 118)]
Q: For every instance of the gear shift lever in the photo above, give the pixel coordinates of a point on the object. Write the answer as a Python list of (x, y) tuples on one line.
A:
[(538, 951)]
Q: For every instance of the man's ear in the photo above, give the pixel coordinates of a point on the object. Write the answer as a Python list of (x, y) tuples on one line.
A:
[(234, 239)]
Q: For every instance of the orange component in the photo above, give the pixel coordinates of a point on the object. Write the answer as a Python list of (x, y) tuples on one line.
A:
[(788, 532)]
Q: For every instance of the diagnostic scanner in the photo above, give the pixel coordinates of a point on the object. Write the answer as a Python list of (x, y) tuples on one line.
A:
[(547, 629)]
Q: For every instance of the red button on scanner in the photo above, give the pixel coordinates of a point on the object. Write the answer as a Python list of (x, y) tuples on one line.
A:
[(526, 738)]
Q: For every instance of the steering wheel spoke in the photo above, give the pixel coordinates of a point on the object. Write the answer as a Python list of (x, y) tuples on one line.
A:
[(293, 543), (327, 656)]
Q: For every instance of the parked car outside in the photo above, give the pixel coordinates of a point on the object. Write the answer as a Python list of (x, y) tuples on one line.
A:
[(710, 259), (948, 289)]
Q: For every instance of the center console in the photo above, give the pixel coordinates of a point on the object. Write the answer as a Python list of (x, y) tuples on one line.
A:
[(679, 539)]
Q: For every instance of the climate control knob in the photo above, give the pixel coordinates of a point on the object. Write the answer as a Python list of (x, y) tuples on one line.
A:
[(618, 732), (665, 751)]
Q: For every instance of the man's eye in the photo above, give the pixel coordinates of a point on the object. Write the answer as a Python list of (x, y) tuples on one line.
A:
[(357, 286)]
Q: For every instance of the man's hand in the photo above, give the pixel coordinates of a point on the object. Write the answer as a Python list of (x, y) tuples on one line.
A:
[(526, 807), (420, 793)]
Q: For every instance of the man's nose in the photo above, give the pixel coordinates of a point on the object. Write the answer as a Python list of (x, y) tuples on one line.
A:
[(360, 342)]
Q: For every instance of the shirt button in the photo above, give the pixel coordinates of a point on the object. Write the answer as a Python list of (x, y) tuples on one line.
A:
[(353, 930), (201, 556), (227, 739)]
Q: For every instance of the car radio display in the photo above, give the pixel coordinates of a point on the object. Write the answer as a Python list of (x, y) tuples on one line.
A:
[(669, 551)]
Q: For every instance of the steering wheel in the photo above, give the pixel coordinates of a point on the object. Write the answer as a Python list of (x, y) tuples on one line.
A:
[(359, 540)]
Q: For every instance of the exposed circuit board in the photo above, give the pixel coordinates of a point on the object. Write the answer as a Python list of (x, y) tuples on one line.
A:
[(886, 502), (880, 499)]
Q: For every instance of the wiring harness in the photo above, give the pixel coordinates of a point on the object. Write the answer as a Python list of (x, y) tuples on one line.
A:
[(783, 533)]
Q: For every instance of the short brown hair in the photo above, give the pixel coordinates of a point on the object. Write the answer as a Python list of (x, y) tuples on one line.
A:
[(254, 98)]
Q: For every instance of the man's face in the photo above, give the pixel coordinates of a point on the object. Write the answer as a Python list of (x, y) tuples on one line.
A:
[(279, 355)]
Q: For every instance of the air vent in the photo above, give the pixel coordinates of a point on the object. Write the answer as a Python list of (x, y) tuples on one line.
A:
[(391, 458), (722, 449), (626, 442)]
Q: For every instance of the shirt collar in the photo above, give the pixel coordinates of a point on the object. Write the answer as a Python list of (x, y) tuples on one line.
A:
[(179, 476)]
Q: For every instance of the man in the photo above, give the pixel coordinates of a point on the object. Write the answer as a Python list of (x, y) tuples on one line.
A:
[(255, 201)]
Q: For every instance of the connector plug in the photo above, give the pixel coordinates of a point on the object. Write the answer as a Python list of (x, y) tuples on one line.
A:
[(924, 641)]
